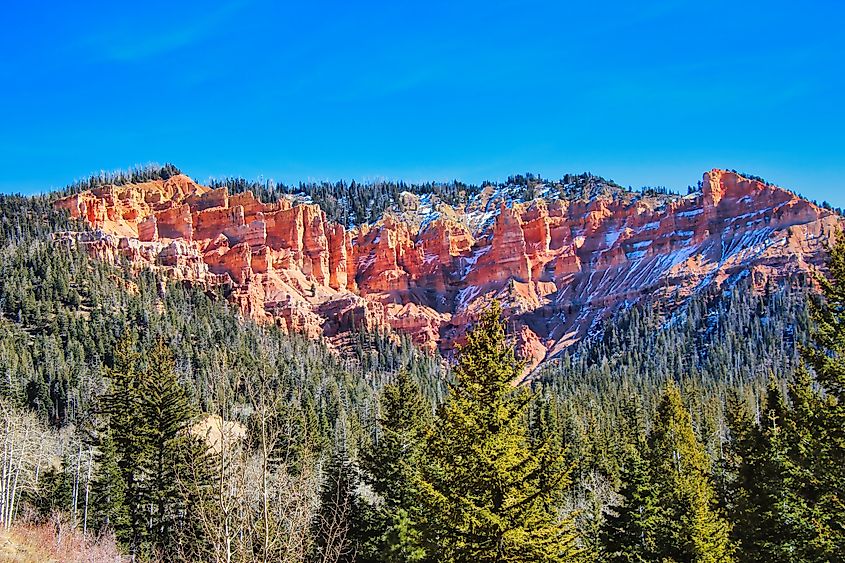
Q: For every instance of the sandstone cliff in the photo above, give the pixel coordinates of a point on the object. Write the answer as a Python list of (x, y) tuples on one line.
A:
[(558, 264)]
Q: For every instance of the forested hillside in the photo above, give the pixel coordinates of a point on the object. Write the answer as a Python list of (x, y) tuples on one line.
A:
[(356, 203), (149, 414)]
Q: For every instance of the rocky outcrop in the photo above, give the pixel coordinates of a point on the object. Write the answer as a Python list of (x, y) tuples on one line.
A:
[(558, 264)]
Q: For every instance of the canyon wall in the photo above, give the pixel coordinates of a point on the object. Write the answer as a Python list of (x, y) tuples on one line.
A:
[(558, 265)]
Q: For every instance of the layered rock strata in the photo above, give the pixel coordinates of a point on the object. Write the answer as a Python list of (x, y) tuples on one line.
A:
[(558, 265)]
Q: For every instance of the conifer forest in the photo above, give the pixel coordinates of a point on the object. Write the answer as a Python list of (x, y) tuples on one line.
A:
[(146, 419)]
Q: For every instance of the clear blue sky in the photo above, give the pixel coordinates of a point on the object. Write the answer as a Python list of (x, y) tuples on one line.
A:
[(645, 93)]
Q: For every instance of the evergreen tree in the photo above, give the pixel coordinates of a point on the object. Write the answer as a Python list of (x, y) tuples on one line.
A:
[(630, 532), (689, 525), (391, 467), (147, 457), (771, 520), (175, 456), (109, 510), (488, 492), (127, 432), (824, 457), (789, 491)]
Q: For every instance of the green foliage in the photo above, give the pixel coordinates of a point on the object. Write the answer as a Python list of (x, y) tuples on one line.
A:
[(787, 495), (135, 175), (826, 356), (391, 467), (109, 507), (771, 521), (489, 494), (354, 203), (173, 457), (148, 457), (669, 510), (630, 532), (125, 436), (489, 477), (689, 523)]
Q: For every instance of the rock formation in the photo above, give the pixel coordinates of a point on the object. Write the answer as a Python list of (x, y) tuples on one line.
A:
[(558, 265)]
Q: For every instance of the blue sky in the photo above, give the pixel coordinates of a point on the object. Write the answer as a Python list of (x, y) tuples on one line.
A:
[(645, 93)]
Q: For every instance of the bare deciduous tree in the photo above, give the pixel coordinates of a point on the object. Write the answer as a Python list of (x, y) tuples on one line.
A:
[(22, 456)]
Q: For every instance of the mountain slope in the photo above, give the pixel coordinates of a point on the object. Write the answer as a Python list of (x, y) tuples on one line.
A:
[(560, 257)]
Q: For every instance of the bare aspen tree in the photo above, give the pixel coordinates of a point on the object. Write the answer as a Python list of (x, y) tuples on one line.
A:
[(75, 496), (333, 524), (224, 511), (262, 504), (264, 402), (87, 489), (22, 454)]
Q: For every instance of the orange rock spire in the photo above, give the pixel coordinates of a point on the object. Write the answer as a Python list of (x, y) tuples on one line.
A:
[(557, 265)]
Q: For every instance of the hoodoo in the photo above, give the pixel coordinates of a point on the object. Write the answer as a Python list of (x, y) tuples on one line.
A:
[(558, 263)]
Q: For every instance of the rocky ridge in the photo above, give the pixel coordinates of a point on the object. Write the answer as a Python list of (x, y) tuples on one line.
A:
[(559, 264)]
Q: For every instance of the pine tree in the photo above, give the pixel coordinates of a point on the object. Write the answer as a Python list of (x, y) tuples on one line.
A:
[(773, 518), (175, 456), (629, 534), (789, 490), (109, 510), (147, 457), (689, 525), (391, 467), (122, 407), (489, 494), (811, 535), (824, 459)]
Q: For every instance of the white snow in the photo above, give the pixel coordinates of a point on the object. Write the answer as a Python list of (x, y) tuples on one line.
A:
[(611, 237), (636, 255), (466, 295), (366, 262), (470, 261), (691, 213)]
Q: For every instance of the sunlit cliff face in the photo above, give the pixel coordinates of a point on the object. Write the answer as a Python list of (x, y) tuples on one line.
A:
[(558, 265)]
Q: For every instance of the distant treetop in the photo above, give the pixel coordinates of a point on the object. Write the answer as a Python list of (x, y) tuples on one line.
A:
[(134, 175)]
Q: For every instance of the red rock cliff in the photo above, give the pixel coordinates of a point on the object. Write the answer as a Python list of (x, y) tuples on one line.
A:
[(558, 266)]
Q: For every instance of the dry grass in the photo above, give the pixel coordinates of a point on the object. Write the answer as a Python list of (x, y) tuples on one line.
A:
[(55, 541)]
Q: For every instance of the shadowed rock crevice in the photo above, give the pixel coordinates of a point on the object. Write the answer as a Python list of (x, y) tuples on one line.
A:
[(559, 265)]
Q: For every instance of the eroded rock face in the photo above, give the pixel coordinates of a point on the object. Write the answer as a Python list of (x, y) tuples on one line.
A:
[(557, 265)]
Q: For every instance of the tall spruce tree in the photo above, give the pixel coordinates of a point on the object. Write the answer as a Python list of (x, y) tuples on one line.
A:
[(689, 525), (771, 520), (824, 459), (126, 436), (391, 467), (175, 456), (630, 531), (109, 509), (789, 491), (489, 494), (147, 456)]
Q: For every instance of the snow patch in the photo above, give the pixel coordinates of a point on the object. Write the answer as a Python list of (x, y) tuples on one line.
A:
[(611, 237), (636, 255), (691, 213), (466, 295)]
